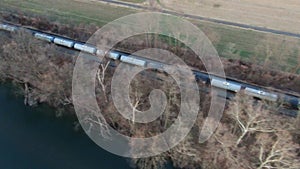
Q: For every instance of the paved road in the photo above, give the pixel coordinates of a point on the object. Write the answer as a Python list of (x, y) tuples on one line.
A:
[(244, 26)]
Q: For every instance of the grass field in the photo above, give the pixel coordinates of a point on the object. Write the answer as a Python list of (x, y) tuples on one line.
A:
[(269, 50), (68, 11)]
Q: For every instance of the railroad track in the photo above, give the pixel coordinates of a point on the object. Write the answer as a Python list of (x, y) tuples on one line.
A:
[(229, 84)]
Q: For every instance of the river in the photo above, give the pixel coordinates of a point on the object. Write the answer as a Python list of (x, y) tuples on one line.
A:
[(34, 138)]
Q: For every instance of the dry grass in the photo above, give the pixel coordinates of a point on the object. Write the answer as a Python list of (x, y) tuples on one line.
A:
[(276, 14)]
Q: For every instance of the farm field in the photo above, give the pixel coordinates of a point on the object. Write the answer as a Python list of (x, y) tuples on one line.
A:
[(268, 50), (275, 14)]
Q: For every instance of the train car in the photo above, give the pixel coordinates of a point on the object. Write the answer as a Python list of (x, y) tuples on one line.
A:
[(114, 55), (154, 64), (291, 101), (224, 84), (8, 27), (201, 76), (271, 96), (63, 42), (85, 48), (261, 94), (44, 37), (133, 60)]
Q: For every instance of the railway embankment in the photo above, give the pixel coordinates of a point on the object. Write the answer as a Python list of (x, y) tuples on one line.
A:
[(238, 69)]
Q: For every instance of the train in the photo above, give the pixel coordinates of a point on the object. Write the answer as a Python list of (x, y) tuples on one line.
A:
[(227, 84), (9, 28)]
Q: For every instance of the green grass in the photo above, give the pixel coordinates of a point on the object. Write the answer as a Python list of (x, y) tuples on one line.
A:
[(246, 54), (269, 50), (68, 11)]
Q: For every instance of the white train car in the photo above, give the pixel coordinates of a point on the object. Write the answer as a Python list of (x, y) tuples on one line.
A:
[(64, 42), (227, 85), (8, 27), (261, 94), (44, 37), (85, 48), (114, 55), (132, 60)]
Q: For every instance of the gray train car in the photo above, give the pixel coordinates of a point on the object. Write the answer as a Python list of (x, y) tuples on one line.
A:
[(132, 60), (261, 94), (227, 85), (44, 37), (8, 27), (85, 48), (63, 42)]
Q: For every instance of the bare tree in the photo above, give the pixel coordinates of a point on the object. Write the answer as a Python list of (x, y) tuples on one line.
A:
[(44, 72), (101, 78), (279, 152), (251, 117), (97, 124), (265, 136), (135, 104), (173, 102)]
